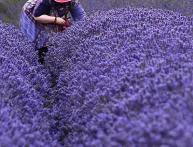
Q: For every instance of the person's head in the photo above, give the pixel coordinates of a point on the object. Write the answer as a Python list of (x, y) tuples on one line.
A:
[(62, 1)]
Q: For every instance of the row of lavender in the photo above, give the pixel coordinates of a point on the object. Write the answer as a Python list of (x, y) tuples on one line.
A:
[(122, 78), (23, 88), (10, 9), (182, 6), (125, 78)]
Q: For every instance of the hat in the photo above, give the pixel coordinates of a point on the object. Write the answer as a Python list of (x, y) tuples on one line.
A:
[(62, 1)]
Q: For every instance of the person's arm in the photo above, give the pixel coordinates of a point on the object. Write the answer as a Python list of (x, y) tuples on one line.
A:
[(41, 14), (45, 19)]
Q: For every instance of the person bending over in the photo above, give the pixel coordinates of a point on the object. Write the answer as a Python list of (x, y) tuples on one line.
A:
[(41, 17)]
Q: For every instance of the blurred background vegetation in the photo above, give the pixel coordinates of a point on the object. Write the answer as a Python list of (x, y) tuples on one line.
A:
[(10, 9)]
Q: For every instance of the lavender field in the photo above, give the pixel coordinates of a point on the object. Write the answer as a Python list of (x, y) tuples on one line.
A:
[(120, 78), (10, 9)]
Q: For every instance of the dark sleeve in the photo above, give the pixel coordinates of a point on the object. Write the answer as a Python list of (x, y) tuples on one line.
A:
[(77, 12), (43, 8)]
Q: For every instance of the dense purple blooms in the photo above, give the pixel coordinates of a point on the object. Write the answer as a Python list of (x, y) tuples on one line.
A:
[(125, 79), (120, 78), (182, 6), (23, 87)]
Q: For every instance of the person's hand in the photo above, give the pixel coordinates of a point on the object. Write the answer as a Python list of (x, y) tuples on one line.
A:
[(67, 23), (60, 21)]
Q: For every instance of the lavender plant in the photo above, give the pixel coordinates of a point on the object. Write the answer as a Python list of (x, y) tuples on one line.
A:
[(119, 78), (10, 9), (23, 89), (124, 79)]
